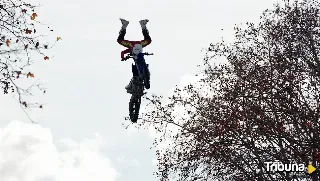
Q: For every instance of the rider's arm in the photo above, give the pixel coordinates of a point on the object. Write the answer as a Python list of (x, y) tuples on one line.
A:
[(124, 52)]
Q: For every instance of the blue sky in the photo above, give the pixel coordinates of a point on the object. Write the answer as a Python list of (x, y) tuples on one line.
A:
[(80, 131)]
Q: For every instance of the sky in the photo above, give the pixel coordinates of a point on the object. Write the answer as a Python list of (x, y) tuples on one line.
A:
[(80, 134)]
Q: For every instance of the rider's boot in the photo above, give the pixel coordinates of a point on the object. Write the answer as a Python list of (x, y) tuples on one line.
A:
[(122, 32), (125, 23), (124, 26), (143, 24)]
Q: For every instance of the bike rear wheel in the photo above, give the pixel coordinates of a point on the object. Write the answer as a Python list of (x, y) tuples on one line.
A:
[(134, 108), (146, 77)]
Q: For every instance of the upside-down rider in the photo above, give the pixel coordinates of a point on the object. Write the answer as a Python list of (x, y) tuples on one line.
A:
[(135, 49)]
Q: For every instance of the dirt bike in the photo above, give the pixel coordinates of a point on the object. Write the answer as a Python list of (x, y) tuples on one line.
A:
[(141, 82)]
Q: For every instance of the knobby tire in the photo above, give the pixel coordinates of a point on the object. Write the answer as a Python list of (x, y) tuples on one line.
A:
[(146, 77)]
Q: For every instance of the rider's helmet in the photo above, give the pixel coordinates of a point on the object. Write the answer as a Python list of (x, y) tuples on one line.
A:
[(137, 48)]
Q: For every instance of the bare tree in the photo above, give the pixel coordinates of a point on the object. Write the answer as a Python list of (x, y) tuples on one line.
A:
[(19, 43), (262, 106)]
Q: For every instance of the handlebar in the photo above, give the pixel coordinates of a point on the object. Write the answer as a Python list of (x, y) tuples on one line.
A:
[(130, 56)]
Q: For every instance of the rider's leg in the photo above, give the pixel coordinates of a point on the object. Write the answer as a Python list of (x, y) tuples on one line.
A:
[(147, 40), (122, 33), (145, 32), (123, 29)]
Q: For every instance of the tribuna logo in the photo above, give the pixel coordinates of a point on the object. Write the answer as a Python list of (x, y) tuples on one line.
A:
[(287, 167)]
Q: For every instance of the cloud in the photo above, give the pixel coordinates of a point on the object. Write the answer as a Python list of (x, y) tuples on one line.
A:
[(28, 153)]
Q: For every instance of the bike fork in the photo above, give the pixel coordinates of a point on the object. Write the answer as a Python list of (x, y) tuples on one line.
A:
[(140, 68)]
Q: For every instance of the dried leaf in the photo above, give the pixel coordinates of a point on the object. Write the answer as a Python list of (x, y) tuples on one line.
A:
[(33, 16), (46, 58), (30, 75), (28, 31), (8, 42), (58, 38), (24, 10)]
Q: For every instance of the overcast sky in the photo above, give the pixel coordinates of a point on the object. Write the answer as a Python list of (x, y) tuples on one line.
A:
[(80, 135)]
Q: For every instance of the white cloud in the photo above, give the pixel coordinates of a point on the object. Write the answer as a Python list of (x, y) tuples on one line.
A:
[(28, 153), (121, 159)]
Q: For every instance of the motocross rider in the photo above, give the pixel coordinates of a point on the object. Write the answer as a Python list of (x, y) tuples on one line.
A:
[(135, 49)]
